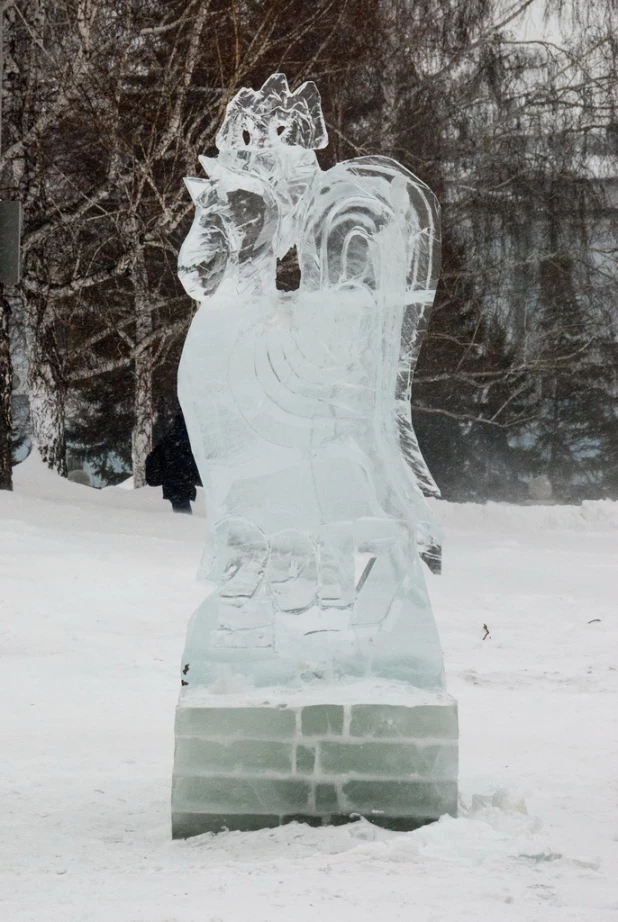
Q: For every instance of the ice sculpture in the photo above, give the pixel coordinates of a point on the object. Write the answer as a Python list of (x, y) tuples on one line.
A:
[(298, 410)]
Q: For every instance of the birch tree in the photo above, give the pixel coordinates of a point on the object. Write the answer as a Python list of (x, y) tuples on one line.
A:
[(142, 96)]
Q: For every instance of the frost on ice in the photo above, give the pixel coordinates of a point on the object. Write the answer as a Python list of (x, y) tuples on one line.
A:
[(298, 404)]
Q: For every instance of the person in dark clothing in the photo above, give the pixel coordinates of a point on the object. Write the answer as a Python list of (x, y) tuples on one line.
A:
[(171, 465)]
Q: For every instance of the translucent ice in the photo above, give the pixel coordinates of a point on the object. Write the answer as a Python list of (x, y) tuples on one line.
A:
[(298, 403)]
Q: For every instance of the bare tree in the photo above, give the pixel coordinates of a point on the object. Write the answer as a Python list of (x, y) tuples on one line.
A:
[(105, 211), (108, 106)]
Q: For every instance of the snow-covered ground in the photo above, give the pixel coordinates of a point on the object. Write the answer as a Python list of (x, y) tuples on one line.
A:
[(96, 589)]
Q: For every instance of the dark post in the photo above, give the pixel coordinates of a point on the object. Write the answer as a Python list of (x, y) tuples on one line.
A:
[(10, 232)]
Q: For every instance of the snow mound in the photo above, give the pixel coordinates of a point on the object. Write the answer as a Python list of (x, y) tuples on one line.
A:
[(492, 829), (33, 478), (600, 515)]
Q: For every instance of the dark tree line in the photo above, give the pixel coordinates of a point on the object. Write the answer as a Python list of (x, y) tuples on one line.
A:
[(106, 107)]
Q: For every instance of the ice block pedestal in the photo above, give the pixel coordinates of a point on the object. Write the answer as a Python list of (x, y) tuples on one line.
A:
[(255, 759)]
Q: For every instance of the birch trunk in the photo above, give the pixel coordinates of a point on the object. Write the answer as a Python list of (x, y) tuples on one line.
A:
[(46, 389), (390, 76), (6, 387), (141, 443)]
